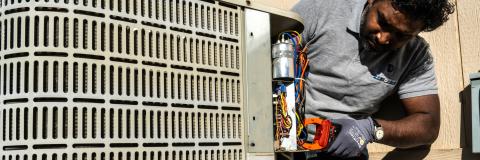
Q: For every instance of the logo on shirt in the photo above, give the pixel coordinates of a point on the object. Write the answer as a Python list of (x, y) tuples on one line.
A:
[(388, 71), (383, 78)]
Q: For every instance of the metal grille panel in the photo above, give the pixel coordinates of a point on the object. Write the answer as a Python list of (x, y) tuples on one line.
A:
[(120, 80)]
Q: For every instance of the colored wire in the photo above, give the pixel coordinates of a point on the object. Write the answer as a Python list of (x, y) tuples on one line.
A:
[(301, 62)]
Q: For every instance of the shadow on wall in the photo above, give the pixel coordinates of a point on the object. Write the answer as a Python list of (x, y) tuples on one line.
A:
[(416, 153), (395, 111)]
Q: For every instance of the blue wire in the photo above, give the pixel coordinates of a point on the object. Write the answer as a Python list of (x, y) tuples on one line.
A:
[(297, 73), (295, 55), (298, 69)]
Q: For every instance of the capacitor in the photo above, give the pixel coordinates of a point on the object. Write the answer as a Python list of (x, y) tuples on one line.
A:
[(283, 66)]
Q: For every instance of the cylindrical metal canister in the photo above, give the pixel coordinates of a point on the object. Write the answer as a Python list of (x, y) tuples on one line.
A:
[(282, 54)]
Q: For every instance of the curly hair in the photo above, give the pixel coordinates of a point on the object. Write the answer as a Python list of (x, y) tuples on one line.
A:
[(433, 13)]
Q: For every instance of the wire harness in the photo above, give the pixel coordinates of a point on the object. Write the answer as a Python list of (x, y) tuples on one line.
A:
[(283, 120)]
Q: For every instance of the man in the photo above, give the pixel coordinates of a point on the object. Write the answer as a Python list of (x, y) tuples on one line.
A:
[(362, 51)]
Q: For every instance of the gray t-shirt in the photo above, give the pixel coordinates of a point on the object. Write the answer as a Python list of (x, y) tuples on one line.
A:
[(347, 81)]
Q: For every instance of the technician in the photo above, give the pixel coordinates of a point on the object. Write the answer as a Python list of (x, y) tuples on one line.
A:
[(362, 51)]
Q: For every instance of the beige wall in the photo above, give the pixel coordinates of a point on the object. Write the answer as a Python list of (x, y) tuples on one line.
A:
[(456, 49), (469, 22)]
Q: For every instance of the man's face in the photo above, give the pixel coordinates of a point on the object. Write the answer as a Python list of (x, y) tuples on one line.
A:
[(385, 28)]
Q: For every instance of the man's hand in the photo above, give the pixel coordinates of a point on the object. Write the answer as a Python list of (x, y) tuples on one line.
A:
[(352, 138)]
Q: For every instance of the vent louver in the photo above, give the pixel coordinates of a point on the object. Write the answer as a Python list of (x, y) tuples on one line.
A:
[(120, 80)]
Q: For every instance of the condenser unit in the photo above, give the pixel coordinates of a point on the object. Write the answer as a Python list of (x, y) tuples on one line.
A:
[(137, 79)]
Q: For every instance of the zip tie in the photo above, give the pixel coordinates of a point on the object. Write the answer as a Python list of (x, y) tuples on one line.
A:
[(300, 79)]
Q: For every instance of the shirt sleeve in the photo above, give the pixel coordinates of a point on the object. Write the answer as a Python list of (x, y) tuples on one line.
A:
[(312, 13), (421, 79)]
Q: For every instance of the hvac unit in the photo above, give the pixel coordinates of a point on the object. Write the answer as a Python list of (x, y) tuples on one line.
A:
[(475, 101), (136, 79)]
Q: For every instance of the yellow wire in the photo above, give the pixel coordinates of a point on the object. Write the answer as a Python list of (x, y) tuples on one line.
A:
[(287, 121), (299, 35), (282, 106), (278, 123), (300, 125)]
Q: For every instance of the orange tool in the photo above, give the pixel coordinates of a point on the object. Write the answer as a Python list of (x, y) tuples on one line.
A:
[(324, 132)]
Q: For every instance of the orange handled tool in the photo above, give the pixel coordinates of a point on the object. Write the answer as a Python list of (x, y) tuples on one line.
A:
[(324, 131)]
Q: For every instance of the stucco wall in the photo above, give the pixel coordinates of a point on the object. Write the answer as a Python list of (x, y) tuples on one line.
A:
[(456, 49)]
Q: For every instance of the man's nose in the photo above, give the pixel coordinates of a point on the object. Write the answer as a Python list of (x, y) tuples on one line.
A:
[(383, 38)]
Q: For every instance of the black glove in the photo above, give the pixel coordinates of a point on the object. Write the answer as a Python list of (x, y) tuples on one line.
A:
[(352, 138)]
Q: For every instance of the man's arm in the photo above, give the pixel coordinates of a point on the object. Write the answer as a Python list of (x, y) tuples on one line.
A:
[(419, 127)]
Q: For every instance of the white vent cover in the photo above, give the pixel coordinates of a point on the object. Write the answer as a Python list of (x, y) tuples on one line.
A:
[(120, 80)]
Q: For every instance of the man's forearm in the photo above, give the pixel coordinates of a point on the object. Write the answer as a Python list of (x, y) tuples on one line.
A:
[(411, 131)]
